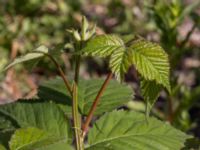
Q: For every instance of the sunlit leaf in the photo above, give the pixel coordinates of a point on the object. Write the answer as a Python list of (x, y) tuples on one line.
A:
[(103, 45), (151, 61)]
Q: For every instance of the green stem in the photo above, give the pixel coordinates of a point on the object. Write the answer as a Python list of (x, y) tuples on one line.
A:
[(76, 77), (95, 103), (76, 116), (76, 119)]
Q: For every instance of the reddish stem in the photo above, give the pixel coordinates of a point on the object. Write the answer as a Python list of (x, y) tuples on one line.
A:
[(62, 74), (95, 103)]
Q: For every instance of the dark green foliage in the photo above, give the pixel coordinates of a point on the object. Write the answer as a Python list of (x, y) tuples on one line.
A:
[(116, 95)]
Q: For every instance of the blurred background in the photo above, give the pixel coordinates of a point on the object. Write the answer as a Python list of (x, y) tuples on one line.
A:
[(175, 24)]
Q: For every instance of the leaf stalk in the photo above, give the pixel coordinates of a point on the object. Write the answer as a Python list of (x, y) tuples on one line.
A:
[(62, 74), (95, 103)]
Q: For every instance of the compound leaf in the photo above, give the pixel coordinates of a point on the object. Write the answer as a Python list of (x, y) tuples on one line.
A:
[(150, 59)]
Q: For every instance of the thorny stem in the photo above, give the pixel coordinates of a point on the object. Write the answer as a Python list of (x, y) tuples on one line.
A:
[(62, 74), (95, 103)]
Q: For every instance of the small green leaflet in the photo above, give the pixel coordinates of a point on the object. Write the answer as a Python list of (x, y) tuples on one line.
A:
[(103, 45), (151, 62), (35, 54)]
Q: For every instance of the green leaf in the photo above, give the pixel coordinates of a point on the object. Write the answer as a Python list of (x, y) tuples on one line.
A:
[(115, 95), (24, 136), (150, 92), (102, 45), (151, 61), (56, 91), (129, 130), (35, 54), (34, 113), (33, 138)]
